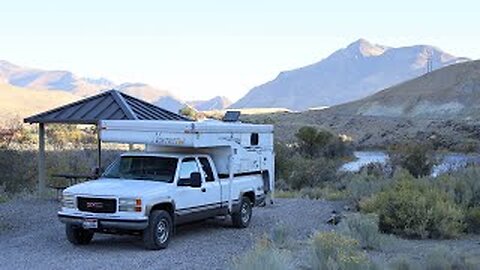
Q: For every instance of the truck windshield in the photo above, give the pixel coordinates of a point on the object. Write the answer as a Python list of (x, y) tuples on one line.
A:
[(143, 168)]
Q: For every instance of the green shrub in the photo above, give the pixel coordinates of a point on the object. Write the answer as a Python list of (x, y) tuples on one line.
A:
[(263, 257), (310, 172), (415, 208), (363, 185), (331, 251), (312, 142), (315, 143), (463, 186), (472, 220), (280, 236), (3, 194), (403, 263), (443, 258), (363, 228), (415, 158)]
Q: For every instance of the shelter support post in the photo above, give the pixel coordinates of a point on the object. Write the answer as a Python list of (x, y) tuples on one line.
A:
[(41, 160)]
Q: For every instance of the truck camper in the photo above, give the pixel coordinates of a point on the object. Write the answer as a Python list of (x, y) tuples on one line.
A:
[(189, 171)]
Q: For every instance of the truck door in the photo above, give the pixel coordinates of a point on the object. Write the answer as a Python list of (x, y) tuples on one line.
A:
[(193, 203), (211, 188)]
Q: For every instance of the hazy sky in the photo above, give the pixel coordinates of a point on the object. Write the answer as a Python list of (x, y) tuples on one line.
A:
[(202, 48)]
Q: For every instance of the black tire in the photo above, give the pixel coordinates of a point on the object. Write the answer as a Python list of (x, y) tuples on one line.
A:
[(78, 235), (159, 231), (241, 219)]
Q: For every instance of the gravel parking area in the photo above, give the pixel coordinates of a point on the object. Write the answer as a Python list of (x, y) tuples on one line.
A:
[(31, 237)]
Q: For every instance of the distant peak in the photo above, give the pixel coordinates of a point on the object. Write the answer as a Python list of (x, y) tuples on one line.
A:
[(365, 48)]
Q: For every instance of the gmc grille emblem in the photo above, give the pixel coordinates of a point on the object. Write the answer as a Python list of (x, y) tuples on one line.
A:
[(94, 205)]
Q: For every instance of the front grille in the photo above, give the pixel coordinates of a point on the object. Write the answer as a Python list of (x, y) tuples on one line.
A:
[(96, 205)]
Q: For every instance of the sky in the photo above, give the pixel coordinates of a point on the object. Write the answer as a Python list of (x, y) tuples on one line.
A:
[(200, 49)]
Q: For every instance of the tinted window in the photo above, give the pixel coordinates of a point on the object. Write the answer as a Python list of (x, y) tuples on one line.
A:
[(254, 139), (143, 168), (188, 166), (207, 169)]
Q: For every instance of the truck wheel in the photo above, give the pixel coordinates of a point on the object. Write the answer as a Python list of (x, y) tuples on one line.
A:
[(159, 231), (77, 235), (241, 219)]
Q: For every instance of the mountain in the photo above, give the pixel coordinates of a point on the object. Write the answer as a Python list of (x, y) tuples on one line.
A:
[(58, 80), (216, 103), (359, 70), (450, 92), (21, 102)]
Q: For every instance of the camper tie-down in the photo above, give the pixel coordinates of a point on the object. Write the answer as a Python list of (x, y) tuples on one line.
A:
[(189, 171)]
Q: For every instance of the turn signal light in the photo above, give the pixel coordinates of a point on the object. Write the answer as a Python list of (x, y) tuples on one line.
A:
[(138, 205)]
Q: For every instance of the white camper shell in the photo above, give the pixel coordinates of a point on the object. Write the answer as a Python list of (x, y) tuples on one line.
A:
[(236, 148)]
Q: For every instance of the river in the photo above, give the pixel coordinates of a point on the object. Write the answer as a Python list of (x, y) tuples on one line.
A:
[(447, 162)]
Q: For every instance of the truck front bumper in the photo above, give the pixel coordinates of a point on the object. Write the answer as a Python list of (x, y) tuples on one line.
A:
[(106, 223)]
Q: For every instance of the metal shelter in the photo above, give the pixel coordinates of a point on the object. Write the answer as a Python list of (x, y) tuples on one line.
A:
[(108, 105)]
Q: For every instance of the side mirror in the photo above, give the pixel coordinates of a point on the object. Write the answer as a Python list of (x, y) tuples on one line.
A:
[(195, 180)]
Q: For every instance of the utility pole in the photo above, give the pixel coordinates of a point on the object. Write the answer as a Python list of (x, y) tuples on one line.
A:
[(430, 62)]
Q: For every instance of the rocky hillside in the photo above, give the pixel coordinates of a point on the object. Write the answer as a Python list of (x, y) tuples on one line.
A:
[(357, 71), (452, 92)]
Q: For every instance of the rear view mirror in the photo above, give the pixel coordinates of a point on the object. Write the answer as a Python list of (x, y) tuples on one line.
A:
[(195, 180)]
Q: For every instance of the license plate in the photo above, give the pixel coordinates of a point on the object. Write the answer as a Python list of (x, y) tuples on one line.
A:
[(90, 223)]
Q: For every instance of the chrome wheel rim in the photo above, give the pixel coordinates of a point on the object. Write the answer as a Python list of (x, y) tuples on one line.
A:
[(162, 231), (244, 213)]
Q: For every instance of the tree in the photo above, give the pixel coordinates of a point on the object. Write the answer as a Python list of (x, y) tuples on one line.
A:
[(311, 142)]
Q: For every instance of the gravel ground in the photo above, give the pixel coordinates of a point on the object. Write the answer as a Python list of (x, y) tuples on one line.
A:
[(31, 237)]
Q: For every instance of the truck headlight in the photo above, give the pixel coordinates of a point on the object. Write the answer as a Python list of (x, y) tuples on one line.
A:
[(129, 205), (68, 200)]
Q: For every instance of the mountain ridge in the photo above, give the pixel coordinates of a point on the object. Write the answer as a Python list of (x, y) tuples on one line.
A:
[(350, 73)]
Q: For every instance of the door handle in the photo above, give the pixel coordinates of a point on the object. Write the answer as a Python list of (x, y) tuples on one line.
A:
[(203, 189)]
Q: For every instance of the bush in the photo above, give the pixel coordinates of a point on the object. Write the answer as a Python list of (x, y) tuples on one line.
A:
[(312, 142), (3, 194), (415, 158), (472, 220), (263, 257), (403, 263), (462, 186), (315, 143), (280, 236), (414, 208), (335, 251), (363, 185), (444, 258), (310, 172), (363, 228)]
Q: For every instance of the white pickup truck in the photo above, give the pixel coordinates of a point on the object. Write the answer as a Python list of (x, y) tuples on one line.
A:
[(149, 193)]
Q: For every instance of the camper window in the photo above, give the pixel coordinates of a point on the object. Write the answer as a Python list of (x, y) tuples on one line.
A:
[(254, 139)]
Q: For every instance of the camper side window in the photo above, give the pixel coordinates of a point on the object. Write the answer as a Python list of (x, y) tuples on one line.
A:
[(254, 139), (188, 166), (207, 169)]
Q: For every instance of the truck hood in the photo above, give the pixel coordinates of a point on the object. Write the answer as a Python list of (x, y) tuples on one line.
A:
[(118, 188)]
